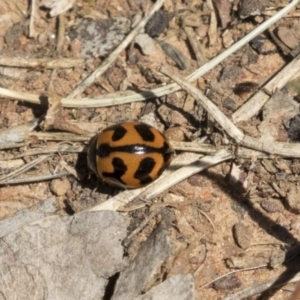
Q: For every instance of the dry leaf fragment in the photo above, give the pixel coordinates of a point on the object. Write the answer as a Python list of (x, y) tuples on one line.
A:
[(223, 8), (249, 8), (158, 23), (174, 54), (58, 6), (146, 43)]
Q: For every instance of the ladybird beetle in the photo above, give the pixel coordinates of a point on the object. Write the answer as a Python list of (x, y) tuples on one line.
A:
[(130, 155)]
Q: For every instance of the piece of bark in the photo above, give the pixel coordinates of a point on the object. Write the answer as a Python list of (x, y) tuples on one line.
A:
[(62, 257), (178, 287), (146, 267)]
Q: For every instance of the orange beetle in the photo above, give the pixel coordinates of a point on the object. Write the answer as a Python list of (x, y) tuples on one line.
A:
[(130, 154)]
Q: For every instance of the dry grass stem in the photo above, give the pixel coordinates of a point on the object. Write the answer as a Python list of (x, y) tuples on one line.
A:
[(62, 136), (60, 33), (30, 179), (277, 148), (43, 63), (60, 148), (233, 272), (12, 145), (196, 45), (32, 31), (259, 288), (167, 180), (184, 172), (4, 179)]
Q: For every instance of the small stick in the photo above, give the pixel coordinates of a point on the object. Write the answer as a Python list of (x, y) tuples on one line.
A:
[(259, 288), (277, 148), (233, 272), (201, 59), (167, 180), (29, 179), (61, 136), (32, 32), (43, 63), (23, 168), (60, 33)]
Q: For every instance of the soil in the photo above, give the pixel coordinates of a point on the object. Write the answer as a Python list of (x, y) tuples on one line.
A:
[(242, 214)]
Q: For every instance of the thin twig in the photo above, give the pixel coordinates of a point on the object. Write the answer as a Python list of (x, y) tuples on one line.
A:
[(229, 273), (32, 31), (61, 148), (62, 136), (277, 148), (60, 33), (208, 218), (29, 179), (259, 288), (43, 63), (196, 45), (167, 179), (23, 168)]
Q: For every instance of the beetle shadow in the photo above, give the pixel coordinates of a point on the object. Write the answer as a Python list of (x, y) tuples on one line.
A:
[(90, 181), (191, 119), (240, 198)]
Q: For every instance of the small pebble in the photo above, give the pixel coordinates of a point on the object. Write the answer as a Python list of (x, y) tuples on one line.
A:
[(227, 283), (60, 186), (242, 235), (272, 206)]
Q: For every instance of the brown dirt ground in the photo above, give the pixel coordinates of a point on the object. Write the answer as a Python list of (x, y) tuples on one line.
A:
[(240, 221)]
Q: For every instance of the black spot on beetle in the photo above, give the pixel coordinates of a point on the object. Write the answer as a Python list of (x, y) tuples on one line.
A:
[(119, 133), (145, 132), (119, 170), (104, 150), (144, 169)]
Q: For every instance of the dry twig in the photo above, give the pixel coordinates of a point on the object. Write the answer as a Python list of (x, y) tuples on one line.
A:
[(258, 288), (30, 179), (277, 148), (4, 179), (167, 179)]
